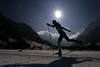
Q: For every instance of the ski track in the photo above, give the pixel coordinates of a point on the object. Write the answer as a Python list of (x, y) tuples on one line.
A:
[(45, 58)]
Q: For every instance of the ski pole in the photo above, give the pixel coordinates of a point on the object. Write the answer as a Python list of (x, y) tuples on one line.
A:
[(50, 38)]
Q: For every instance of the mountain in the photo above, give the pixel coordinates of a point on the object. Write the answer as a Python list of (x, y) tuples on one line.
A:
[(17, 35), (91, 34)]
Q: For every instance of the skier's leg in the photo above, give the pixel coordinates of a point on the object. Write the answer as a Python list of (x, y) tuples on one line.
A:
[(59, 42), (72, 40), (59, 45)]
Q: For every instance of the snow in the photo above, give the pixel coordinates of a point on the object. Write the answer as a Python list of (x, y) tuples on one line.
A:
[(45, 58)]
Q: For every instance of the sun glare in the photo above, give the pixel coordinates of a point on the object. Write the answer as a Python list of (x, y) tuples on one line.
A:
[(58, 14)]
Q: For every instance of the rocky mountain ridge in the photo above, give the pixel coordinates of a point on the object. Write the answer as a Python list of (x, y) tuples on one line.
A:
[(14, 34), (91, 33)]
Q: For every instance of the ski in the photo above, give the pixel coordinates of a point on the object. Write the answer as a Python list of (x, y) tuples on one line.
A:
[(81, 47)]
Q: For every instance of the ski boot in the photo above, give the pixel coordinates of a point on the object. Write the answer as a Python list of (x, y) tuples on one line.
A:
[(59, 53), (80, 42)]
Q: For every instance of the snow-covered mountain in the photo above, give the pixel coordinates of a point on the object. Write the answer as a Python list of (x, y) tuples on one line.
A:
[(17, 34)]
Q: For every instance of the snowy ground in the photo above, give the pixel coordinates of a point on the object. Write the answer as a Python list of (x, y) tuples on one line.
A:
[(45, 58)]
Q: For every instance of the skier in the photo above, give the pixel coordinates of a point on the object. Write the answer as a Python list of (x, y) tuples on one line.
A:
[(60, 29)]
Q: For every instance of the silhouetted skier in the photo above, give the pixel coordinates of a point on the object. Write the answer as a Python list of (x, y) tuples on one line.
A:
[(59, 28)]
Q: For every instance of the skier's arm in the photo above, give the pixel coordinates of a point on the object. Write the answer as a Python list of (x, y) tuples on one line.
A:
[(66, 29), (50, 25)]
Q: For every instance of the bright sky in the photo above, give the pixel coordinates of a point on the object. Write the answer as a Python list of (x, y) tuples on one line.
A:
[(75, 14)]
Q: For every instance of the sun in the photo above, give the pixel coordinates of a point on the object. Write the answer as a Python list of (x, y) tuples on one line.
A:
[(57, 14)]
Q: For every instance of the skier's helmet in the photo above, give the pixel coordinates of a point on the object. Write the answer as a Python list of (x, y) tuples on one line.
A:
[(54, 22)]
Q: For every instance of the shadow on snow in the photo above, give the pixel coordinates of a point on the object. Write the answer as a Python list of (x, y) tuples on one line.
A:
[(62, 62)]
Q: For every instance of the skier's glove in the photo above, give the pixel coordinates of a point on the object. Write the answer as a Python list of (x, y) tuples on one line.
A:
[(69, 30), (48, 24)]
